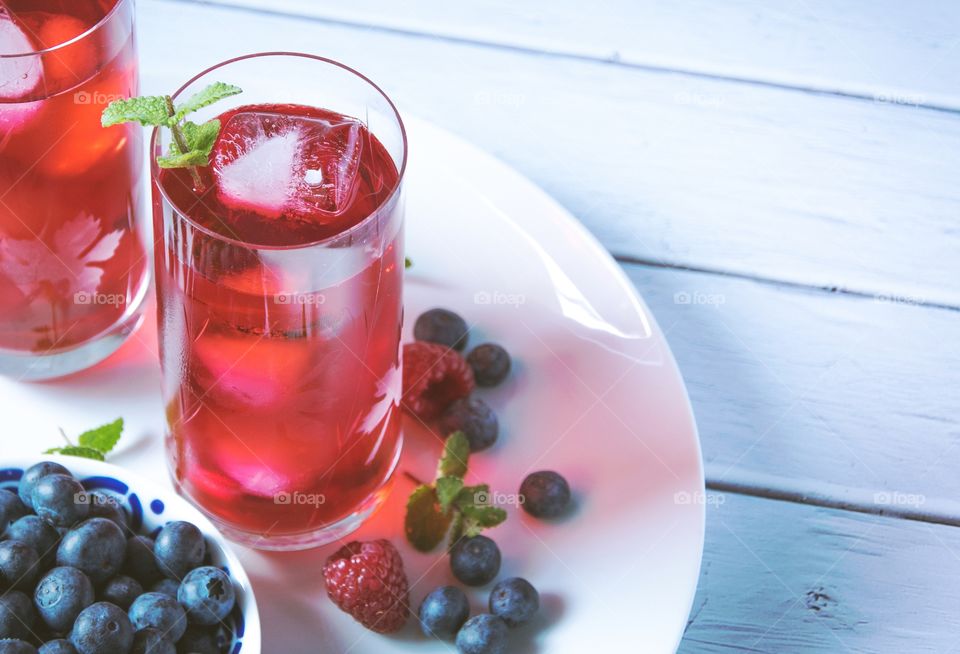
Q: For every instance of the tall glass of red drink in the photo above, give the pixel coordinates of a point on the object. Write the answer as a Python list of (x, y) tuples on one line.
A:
[(279, 278), (73, 260)]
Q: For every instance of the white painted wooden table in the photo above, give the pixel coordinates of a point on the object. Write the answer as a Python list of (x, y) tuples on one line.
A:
[(780, 180)]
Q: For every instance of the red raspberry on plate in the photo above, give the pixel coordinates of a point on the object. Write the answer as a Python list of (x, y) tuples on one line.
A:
[(367, 581), (434, 376)]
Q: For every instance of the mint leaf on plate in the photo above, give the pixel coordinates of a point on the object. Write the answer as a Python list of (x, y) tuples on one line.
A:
[(94, 443), (456, 454), (425, 524), (448, 488)]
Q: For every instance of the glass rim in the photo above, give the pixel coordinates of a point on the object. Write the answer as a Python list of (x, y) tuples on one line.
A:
[(155, 169), (90, 31)]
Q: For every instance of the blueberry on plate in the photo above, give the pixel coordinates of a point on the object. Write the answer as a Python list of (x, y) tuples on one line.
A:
[(96, 547), (200, 640), (122, 591), (208, 595), (140, 562), (546, 494), (482, 634), (16, 615), (107, 506), (490, 363), (58, 646), (102, 628), (151, 641), (19, 565), (14, 646), (443, 612), (60, 597), (166, 586), (475, 419), (60, 500), (514, 601), (39, 535), (475, 560), (160, 612), (33, 474), (179, 548), (11, 508), (443, 327)]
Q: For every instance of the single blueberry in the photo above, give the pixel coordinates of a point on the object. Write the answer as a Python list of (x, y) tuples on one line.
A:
[(36, 532), (122, 591), (60, 597), (490, 363), (482, 634), (95, 546), (166, 586), (140, 562), (207, 594), (60, 500), (514, 601), (201, 640), (441, 326), (179, 548), (475, 561), (102, 628), (58, 646), (11, 508), (151, 641), (14, 646), (16, 615), (107, 506), (546, 494), (443, 612), (33, 474), (19, 565), (475, 419), (160, 612)]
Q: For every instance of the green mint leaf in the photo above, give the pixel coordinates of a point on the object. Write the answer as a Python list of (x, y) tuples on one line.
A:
[(456, 531), (103, 438), (192, 158), (213, 93), (201, 137), (407, 263), (425, 524), (456, 454), (478, 518), (73, 450), (146, 110), (478, 495), (448, 488)]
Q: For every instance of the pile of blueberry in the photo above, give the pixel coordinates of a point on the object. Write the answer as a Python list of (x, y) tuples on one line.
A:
[(76, 580)]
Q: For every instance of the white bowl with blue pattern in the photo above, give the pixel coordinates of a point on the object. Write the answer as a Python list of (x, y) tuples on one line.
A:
[(150, 507)]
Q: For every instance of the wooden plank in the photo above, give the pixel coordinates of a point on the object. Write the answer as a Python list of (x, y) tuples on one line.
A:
[(851, 399), (782, 577), (887, 51), (667, 168)]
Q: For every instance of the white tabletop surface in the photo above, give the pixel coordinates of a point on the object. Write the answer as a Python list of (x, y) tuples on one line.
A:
[(779, 180)]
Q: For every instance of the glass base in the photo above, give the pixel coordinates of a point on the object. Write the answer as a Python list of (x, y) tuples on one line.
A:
[(43, 367), (309, 540)]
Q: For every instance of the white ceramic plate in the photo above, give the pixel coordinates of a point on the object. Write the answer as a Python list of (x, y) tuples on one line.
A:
[(595, 394)]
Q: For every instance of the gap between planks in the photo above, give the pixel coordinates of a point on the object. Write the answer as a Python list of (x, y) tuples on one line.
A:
[(559, 54), (781, 283), (890, 504)]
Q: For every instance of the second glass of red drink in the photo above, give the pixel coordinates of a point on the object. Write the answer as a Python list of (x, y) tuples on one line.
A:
[(279, 280)]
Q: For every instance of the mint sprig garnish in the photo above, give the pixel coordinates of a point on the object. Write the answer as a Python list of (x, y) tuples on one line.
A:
[(432, 509), (192, 143), (94, 443)]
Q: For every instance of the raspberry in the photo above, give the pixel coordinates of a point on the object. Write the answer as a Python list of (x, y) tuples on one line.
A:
[(367, 581), (433, 378)]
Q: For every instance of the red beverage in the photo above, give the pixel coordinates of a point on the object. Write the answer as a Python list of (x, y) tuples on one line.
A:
[(281, 354), (72, 258)]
